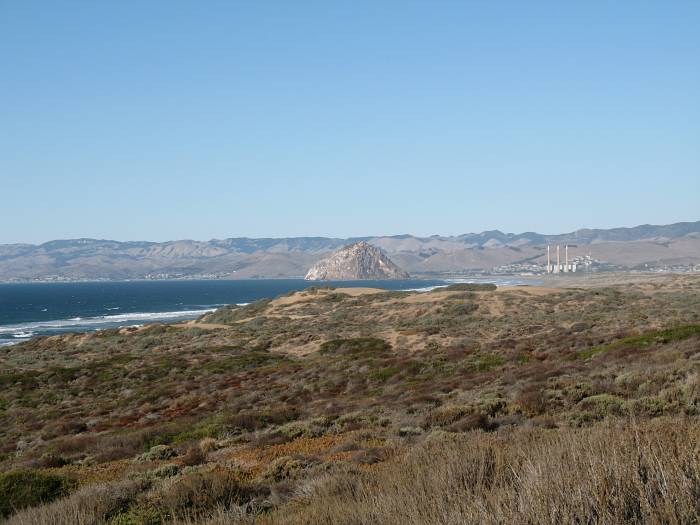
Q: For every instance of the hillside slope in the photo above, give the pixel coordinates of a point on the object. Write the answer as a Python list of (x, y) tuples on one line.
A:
[(292, 257)]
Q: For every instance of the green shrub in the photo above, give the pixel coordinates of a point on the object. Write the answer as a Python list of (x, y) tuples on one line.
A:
[(383, 374), (486, 362), (286, 468), (602, 405), (26, 488), (243, 361), (355, 346), (469, 287), (157, 453), (646, 339), (205, 430)]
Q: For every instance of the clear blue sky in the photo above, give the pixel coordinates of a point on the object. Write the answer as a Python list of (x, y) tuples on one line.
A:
[(166, 120)]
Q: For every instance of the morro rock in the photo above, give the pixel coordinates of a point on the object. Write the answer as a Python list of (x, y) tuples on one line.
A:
[(356, 261)]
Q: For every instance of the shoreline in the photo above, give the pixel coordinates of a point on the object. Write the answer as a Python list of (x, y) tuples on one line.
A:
[(413, 277)]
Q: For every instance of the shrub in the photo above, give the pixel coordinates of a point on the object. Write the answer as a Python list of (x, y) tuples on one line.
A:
[(383, 374), (532, 401), (486, 362), (369, 456), (459, 309), (469, 287), (477, 421), (158, 453), (26, 488), (356, 346), (653, 337), (625, 473), (199, 492), (193, 456), (207, 445), (88, 505), (52, 461), (448, 414), (166, 471), (287, 467), (602, 404), (410, 431)]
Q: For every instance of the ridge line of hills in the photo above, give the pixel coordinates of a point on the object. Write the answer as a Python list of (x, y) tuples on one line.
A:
[(243, 257), (581, 236)]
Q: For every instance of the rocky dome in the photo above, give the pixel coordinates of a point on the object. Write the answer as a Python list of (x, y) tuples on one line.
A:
[(356, 261)]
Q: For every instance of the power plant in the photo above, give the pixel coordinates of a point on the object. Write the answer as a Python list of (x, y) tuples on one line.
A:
[(558, 267)]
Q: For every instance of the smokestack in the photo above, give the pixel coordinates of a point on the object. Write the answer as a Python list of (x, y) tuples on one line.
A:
[(566, 258), (549, 263), (558, 264)]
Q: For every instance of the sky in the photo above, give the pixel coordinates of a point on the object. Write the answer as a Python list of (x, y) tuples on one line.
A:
[(170, 120)]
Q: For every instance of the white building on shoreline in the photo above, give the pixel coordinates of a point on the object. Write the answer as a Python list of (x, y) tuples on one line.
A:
[(559, 267)]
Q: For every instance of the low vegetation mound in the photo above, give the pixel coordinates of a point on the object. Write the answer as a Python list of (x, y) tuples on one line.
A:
[(357, 346), (469, 287), (26, 488), (234, 313)]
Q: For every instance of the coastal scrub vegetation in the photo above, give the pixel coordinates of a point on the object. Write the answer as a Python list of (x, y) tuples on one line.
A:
[(460, 405)]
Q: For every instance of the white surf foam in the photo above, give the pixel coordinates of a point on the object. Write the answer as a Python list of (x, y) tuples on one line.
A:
[(423, 289), (27, 330)]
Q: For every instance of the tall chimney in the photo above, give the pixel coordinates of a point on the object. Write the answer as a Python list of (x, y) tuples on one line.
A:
[(549, 262), (566, 258), (558, 264)]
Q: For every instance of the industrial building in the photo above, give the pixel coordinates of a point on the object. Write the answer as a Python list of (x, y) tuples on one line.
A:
[(558, 267)]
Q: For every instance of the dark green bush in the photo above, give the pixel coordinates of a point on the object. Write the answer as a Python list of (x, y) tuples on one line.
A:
[(469, 287), (26, 488)]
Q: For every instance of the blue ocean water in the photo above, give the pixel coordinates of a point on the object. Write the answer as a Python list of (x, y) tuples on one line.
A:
[(32, 309)]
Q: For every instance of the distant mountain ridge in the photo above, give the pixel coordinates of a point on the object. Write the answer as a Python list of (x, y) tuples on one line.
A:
[(243, 257)]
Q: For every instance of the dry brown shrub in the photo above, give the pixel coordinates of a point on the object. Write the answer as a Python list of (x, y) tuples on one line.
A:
[(193, 456), (532, 400), (200, 492), (625, 473), (447, 414), (62, 428), (207, 445), (89, 505), (476, 421)]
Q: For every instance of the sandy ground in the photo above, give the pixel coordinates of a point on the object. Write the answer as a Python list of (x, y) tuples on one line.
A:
[(587, 280), (305, 296)]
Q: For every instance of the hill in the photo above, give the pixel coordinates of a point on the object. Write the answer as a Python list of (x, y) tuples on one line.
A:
[(355, 261), (465, 404), (237, 258)]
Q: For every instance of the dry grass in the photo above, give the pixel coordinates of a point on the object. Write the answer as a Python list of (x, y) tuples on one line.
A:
[(623, 473), (90, 505)]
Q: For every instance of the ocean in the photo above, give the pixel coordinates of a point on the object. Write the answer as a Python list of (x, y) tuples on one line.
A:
[(33, 309)]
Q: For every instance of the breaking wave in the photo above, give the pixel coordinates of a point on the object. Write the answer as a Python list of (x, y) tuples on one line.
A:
[(28, 330)]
